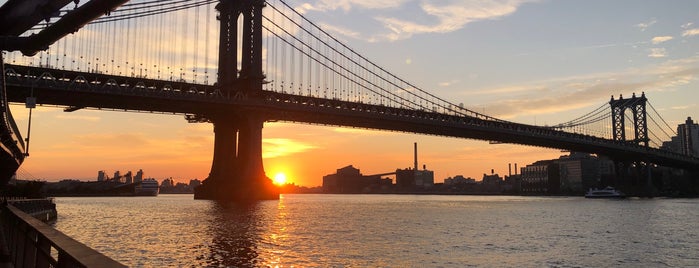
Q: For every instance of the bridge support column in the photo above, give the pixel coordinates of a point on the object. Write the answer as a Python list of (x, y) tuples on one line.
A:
[(237, 172)]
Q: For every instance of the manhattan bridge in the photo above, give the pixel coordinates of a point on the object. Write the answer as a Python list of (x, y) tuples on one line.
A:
[(240, 63)]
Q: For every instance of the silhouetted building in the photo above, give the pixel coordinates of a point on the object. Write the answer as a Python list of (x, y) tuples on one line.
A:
[(491, 183), (194, 183), (411, 179), (128, 177), (570, 174), (167, 183), (458, 180), (513, 184), (581, 171), (541, 177), (102, 175), (139, 176), (117, 176), (492, 179), (687, 140), (349, 180)]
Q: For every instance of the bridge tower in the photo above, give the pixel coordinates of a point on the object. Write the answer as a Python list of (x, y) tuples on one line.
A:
[(638, 107), (237, 172), (631, 172)]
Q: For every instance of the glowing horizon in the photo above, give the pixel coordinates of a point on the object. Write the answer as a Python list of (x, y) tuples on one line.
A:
[(533, 62)]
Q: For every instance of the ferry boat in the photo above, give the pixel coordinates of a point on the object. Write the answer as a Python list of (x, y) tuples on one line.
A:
[(147, 187), (607, 192)]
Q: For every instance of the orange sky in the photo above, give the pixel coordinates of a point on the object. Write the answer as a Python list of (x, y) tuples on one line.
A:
[(77, 145), (532, 62)]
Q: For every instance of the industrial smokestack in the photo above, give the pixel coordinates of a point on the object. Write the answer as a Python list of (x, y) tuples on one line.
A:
[(515, 168), (415, 155), (509, 167)]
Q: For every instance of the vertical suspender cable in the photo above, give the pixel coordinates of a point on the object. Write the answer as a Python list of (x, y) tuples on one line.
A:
[(196, 43), (206, 45)]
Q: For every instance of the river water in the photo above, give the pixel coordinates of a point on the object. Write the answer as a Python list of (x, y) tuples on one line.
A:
[(387, 231)]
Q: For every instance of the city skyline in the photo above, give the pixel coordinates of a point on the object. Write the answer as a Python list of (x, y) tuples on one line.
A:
[(534, 62)]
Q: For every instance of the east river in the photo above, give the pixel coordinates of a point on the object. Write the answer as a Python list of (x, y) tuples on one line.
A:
[(387, 231)]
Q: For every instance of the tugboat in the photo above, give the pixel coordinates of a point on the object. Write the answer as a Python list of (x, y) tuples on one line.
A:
[(607, 192)]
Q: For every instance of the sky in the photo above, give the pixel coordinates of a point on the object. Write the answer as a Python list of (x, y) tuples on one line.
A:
[(534, 62)]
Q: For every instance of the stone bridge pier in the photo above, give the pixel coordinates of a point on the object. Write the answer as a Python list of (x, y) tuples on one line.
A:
[(237, 172)]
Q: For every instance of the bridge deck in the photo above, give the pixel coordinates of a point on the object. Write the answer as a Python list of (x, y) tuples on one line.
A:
[(101, 91)]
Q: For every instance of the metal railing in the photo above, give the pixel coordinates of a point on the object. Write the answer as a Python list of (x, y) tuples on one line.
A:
[(33, 243)]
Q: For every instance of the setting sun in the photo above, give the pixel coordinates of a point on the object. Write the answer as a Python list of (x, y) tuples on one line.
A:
[(280, 179)]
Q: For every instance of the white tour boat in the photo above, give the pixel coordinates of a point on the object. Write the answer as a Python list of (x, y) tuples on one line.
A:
[(607, 192)]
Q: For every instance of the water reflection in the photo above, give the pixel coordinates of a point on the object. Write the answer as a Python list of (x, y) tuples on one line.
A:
[(243, 234), (386, 231)]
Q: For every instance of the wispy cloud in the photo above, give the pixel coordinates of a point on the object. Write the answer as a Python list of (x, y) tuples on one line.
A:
[(685, 107), (432, 17), (691, 32), (449, 16), (78, 117), (340, 30), (277, 147), (659, 39), (644, 25), (687, 25), (568, 93), (347, 5), (448, 83), (657, 53)]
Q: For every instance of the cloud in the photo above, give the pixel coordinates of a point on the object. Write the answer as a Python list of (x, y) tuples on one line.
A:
[(128, 140), (277, 147), (644, 25), (687, 25), (78, 117), (431, 17), (450, 17), (659, 39), (657, 53), (685, 107), (347, 5), (691, 32), (340, 30), (448, 83), (569, 93)]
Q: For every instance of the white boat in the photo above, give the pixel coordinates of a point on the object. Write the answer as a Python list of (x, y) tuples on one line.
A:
[(607, 192), (147, 187)]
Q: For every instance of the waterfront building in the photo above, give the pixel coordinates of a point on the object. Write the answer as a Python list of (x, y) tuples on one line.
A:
[(569, 174), (194, 183), (459, 180), (410, 179), (128, 178), (492, 179), (492, 182), (167, 183), (102, 175), (117, 176), (541, 177), (350, 180), (414, 179), (512, 183), (139, 176), (687, 140)]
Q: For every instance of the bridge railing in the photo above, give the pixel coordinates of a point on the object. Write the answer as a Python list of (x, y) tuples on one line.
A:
[(33, 243)]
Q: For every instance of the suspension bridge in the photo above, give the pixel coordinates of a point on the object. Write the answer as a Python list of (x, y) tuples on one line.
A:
[(270, 64)]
